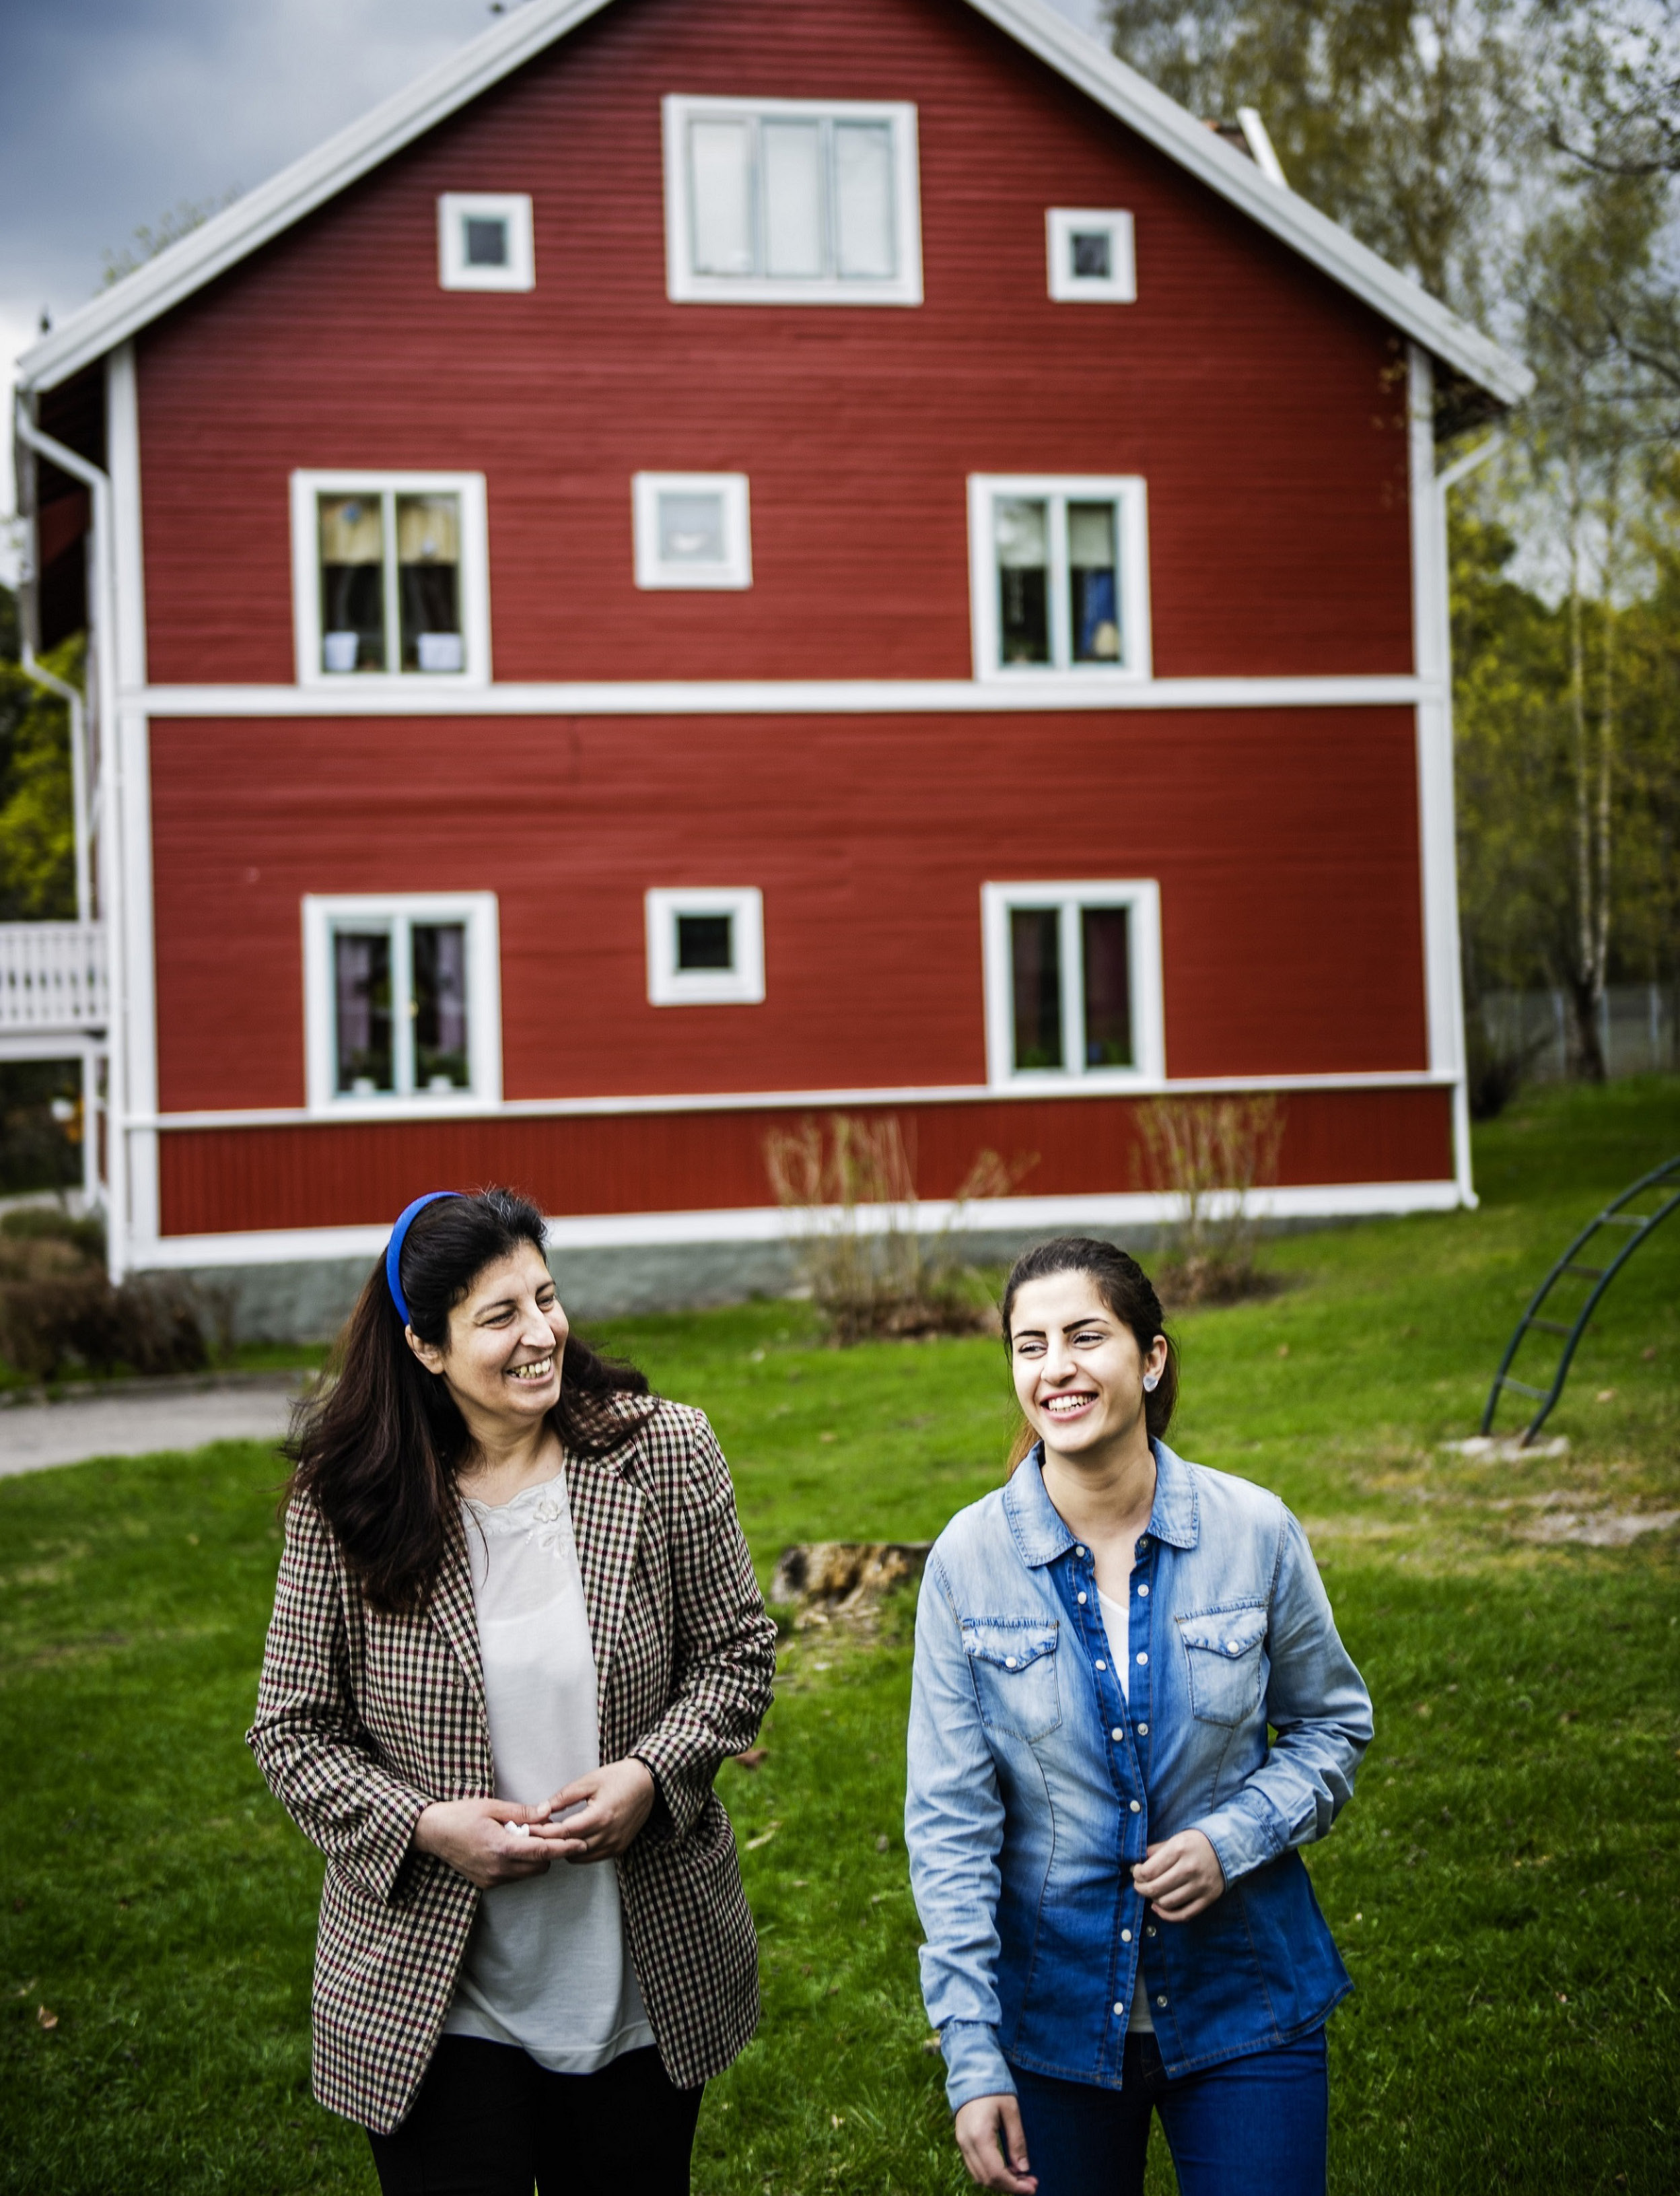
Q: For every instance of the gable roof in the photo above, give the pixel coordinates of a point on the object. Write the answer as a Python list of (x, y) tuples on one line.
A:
[(222, 242)]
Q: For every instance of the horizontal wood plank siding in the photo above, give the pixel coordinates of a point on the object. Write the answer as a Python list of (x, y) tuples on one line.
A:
[(216, 1180), (1284, 844), (1263, 405)]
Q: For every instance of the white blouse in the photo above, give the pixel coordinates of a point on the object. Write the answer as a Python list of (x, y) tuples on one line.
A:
[(547, 1966)]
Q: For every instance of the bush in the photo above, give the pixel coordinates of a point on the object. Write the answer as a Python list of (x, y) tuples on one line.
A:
[(1212, 1154), (59, 1314)]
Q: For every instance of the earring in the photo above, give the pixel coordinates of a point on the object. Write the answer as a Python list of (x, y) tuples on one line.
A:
[(1152, 1381)]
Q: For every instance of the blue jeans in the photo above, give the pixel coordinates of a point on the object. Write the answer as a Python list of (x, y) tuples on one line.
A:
[(1255, 2126)]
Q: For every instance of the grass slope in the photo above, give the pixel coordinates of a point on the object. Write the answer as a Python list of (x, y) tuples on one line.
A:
[(1504, 1885)]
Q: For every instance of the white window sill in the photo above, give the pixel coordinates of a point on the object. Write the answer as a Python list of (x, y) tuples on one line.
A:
[(1065, 1082), (388, 685), (423, 1106)]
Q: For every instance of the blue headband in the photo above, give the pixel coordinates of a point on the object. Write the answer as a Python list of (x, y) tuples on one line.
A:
[(394, 1248)]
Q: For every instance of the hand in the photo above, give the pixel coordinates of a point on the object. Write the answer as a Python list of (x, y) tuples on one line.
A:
[(989, 2135), (617, 1800), (1181, 1877), (471, 1836)]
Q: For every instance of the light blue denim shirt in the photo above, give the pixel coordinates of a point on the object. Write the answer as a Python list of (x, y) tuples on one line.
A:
[(1034, 1786)]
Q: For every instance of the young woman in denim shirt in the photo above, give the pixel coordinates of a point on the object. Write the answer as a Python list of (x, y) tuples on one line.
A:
[(1102, 1839)]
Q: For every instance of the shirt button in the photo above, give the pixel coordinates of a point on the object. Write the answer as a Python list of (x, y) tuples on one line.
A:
[(1137, 1806), (1232, 1648), (1119, 2010), (1125, 1936), (1160, 2001), (1082, 1601), (1149, 1929), (1079, 1551), (1143, 1731), (1144, 1591), (1008, 1662), (1116, 1734), (1101, 1664), (1143, 1658)]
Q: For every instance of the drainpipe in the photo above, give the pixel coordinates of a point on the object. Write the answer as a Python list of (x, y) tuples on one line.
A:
[(108, 795)]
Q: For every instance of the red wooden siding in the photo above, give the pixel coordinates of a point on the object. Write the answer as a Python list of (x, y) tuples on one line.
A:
[(1263, 405), (219, 1179), (1285, 842)]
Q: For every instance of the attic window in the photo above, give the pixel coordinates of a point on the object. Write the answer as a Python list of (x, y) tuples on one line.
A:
[(484, 241), (389, 577), (791, 202), (691, 530), (1091, 255), (706, 946)]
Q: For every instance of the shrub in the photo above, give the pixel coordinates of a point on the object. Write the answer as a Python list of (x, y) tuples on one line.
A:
[(1212, 1154), (59, 1312)]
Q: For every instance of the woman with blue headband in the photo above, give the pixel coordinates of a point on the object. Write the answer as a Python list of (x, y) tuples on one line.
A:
[(515, 1631)]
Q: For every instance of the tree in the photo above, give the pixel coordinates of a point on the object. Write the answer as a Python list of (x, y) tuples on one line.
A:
[(37, 844)]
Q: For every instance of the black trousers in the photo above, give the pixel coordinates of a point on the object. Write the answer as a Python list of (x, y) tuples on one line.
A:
[(490, 2122)]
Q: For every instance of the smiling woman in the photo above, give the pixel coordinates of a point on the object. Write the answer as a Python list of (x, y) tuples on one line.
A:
[(1100, 1647), (516, 1632)]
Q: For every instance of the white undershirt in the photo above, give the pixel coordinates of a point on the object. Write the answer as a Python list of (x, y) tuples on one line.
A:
[(1117, 1621), (547, 1966)]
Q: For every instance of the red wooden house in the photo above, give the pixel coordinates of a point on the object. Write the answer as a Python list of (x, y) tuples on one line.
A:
[(718, 561)]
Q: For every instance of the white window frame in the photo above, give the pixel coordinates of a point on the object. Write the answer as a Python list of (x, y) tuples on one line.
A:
[(1141, 898), (1127, 491), (455, 271), (474, 578), (1119, 286), (684, 286), (323, 914), (652, 570), (668, 986)]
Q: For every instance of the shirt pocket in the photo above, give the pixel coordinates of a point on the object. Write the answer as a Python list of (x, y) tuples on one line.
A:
[(1013, 1661), (1225, 1653)]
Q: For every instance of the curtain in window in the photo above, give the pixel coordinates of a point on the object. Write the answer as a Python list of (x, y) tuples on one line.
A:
[(792, 153), (1107, 973), (1093, 585), (865, 245), (352, 530), (1035, 965), (438, 950), (1021, 531), (720, 173), (429, 582), (361, 972)]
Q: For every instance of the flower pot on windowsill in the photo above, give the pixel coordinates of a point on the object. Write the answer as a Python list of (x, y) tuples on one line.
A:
[(338, 650), (441, 652)]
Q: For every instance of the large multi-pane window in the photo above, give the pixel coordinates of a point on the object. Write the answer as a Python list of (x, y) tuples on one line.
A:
[(791, 201), (390, 576), (1073, 980), (1060, 576), (402, 999)]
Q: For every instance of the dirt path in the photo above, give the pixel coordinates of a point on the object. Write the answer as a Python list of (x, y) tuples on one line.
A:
[(34, 1436)]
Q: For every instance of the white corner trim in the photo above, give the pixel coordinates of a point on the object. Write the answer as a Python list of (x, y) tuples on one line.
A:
[(741, 985), (122, 414), (733, 566), (473, 580), (1141, 899), (684, 284), (771, 1223), (1020, 693), (1119, 286), (1129, 497), (222, 242), (456, 270), (322, 914)]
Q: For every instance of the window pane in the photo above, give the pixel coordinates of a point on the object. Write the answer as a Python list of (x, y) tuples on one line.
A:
[(1108, 986), (793, 183), (486, 240), (429, 582), (704, 941), (440, 1006), (720, 170), (1035, 962), (1090, 249), (362, 983), (690, 528), (352, 582), (1021, 532), (1093, 583), (864, 242)]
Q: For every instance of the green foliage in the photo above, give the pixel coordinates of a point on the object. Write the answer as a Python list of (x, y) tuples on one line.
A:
[(1502, 1887), (38, 838), (148, 240)]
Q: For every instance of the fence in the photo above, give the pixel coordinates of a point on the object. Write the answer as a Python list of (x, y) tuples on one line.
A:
[(52, 977), (1638, 1029)]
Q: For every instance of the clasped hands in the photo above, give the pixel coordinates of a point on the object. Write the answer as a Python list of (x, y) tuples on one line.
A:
[(492, 1841)]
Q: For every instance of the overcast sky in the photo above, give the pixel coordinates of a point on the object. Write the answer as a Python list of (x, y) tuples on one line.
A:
[(114, 111)]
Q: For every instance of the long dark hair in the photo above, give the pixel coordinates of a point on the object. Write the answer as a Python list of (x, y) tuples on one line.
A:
[(379, 1448), (1129, 1294)]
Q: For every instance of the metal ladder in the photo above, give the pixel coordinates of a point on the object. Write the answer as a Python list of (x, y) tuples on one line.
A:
[(1570, 1266)]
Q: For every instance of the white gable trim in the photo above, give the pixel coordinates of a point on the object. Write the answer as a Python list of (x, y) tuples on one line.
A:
[(173, 276)]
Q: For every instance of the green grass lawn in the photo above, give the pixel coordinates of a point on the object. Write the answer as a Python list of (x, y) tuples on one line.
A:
[(1504, 1885)]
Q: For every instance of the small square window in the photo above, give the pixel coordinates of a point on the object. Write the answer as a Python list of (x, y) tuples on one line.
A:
[(390, 576), (401, 1000), (1073, 982), (484, 241), (706, 946), (1091, 255), (692, 530), (1060, 576)]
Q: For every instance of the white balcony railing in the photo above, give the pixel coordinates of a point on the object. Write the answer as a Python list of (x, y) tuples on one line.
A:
[(52, 976)]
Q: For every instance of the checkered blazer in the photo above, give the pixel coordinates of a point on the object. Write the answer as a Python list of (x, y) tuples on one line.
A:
[(363, 1719)]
